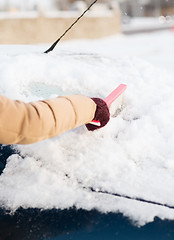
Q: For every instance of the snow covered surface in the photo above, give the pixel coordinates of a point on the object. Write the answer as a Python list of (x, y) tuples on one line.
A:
[(19, 15), (54, 14), (147, 23), (132, 155)]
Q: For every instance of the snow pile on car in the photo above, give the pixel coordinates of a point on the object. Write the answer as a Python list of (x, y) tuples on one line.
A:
[(133, 155)]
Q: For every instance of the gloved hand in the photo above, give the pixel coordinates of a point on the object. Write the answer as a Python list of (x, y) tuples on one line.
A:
[(102, 114)]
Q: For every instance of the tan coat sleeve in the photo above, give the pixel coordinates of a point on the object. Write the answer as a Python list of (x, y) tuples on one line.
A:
[(25, 123)]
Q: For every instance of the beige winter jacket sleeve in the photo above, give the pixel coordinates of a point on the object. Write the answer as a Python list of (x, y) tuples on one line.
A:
[(25, 123)]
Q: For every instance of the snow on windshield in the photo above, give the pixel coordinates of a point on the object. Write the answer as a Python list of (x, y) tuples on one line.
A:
[(133, 155)]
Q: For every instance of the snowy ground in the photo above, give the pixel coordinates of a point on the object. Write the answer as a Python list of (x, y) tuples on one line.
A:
[(132, 155), (144, 24)]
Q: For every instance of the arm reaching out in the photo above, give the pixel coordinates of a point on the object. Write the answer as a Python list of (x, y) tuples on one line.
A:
[(25, 123)]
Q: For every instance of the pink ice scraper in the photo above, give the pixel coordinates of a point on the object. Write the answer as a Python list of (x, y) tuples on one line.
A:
[(116, 95)]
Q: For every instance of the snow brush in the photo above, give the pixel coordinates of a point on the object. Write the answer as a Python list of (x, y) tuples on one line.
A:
[(117, 96), (56, 42)]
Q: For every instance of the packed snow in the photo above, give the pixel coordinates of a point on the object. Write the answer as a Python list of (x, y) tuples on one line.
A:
[(133, 155)]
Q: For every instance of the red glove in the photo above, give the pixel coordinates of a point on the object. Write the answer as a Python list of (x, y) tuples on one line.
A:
[(102, 114)]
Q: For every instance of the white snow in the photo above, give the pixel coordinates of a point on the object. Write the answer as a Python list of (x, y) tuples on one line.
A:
[(19, 15), (148, 23), (132, 155)]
